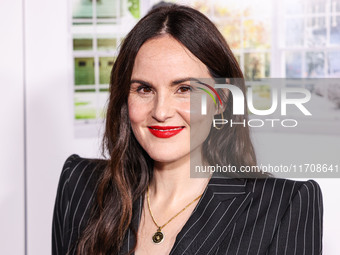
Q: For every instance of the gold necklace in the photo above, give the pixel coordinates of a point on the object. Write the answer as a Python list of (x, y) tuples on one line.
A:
[(158, 237)]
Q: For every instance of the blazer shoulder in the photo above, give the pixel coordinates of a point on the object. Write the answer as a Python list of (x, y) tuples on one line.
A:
[(78, 183), (281, 193), (75, 194), (77, 170), (300, 229), (284, 185)]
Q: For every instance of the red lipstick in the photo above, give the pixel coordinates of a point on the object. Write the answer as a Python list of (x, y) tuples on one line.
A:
[(165, 131)]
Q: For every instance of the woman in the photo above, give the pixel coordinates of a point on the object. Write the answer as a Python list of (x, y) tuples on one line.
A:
[(141, 199)]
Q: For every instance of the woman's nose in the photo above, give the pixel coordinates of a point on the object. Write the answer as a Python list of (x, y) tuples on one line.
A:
[(163, 108)]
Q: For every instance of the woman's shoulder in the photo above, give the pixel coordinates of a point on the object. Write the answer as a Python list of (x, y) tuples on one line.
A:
[(272, 181), (274, 216), (76, 192), (295, 210), (277, 194), (77, 169), (284, 186), (79, 177)]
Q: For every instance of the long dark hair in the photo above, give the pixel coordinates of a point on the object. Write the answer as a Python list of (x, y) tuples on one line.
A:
[(129, 169)]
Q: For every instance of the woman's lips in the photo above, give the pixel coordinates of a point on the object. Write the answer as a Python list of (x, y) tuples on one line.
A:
[(165, 131)]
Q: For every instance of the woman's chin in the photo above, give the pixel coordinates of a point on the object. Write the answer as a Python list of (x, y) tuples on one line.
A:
[(168, 156)]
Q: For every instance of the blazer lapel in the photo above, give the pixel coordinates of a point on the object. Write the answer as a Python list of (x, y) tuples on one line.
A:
[(222, 202), (220, 206)]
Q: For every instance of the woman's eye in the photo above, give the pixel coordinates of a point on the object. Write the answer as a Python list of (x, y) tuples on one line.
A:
[(184, 89), (144, 89)]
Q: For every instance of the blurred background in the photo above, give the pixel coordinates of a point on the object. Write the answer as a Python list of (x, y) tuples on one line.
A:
[(56, 58)]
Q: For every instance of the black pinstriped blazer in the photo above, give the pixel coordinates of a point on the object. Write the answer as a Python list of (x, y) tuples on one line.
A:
[(234, 216)]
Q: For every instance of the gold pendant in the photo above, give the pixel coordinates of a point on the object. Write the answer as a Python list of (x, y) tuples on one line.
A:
[(158, 237)]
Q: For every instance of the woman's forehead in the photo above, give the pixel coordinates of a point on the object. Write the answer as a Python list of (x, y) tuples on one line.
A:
[(164, 56), (156, 49)]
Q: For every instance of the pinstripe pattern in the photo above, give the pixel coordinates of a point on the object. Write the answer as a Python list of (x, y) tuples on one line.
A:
[(234, 216)]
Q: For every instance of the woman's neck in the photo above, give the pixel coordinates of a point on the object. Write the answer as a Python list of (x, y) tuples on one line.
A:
[(172, 182)]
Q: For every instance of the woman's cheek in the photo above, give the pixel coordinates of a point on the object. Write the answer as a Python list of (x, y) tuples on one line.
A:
[(138, 117), (196, 115), (184, 110), (138, 110), (133, 113)]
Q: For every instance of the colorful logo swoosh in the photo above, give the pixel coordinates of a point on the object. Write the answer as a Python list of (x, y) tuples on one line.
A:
[(209, 93)]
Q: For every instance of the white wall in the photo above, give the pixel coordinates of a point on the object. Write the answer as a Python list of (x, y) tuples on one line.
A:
[(12, 213), (50, 129)]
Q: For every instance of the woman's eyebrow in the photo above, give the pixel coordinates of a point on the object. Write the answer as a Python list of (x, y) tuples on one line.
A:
[(174, 82), (178, 81), (141, 82)]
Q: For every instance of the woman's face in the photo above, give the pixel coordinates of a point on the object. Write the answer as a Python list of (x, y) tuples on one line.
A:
[(159, 100)]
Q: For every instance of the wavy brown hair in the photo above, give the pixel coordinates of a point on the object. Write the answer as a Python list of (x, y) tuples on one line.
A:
[(129, 169)]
